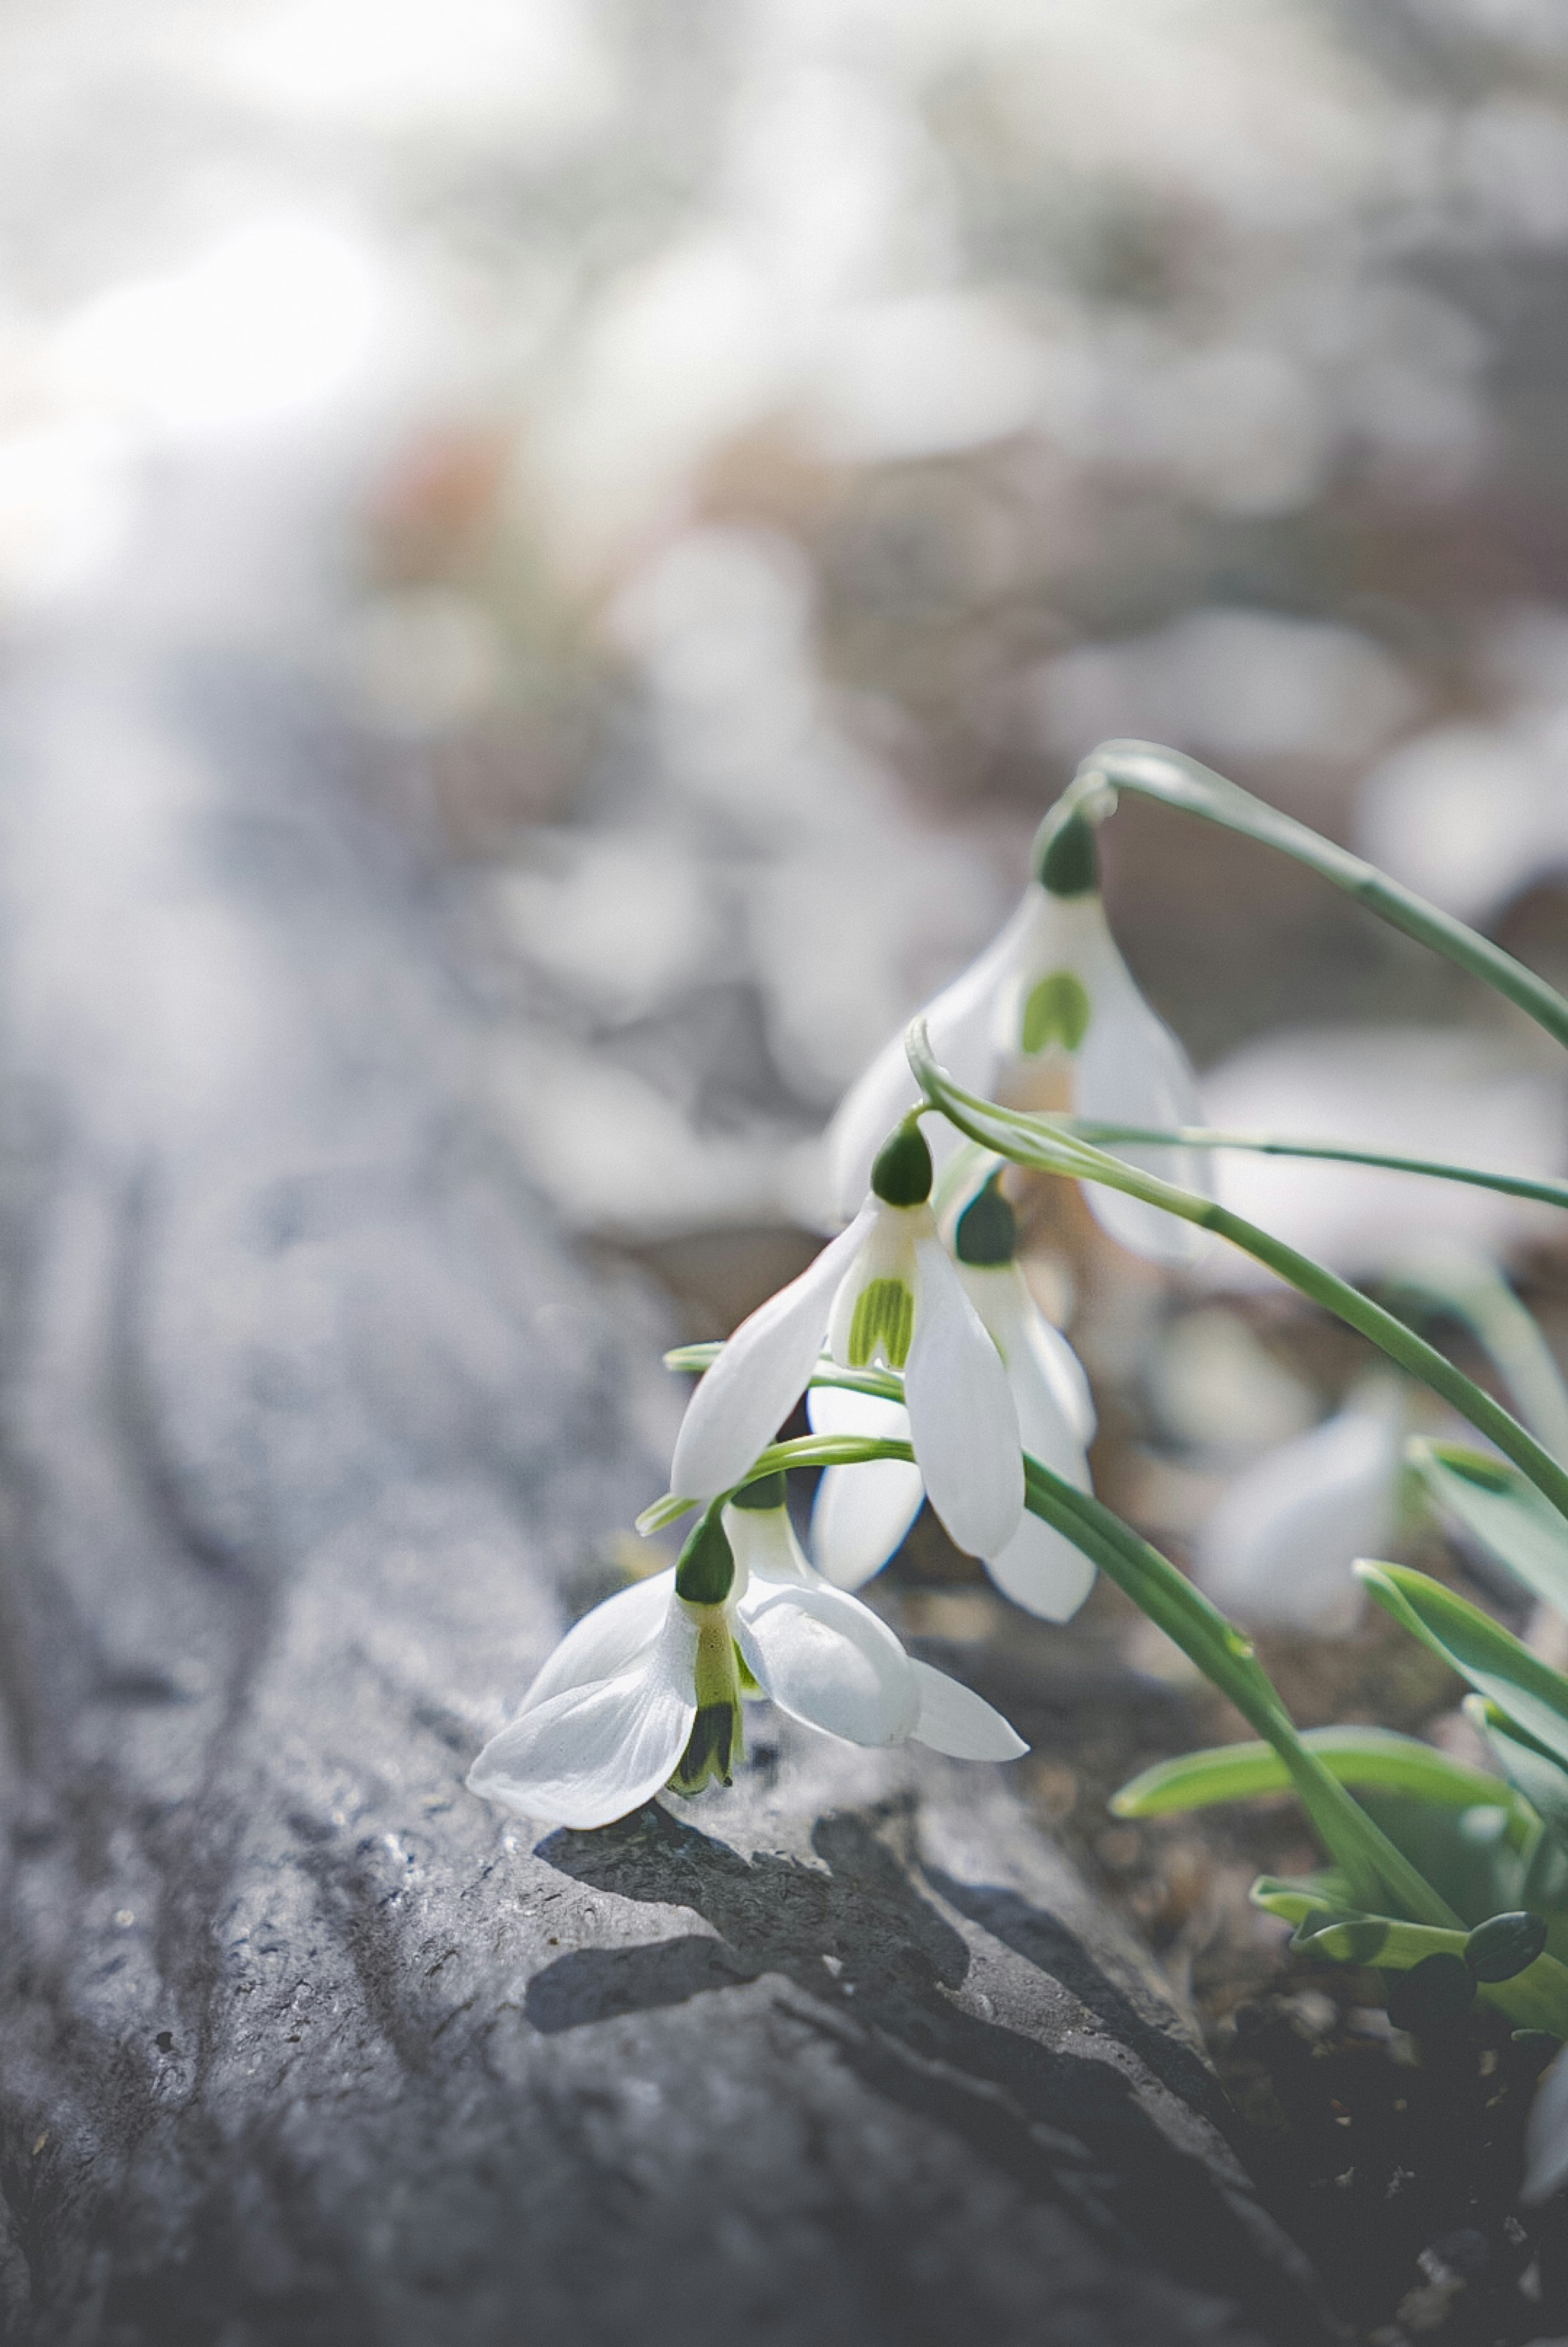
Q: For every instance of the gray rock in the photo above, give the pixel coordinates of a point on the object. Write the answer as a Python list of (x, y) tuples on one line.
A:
[(306, 1420)]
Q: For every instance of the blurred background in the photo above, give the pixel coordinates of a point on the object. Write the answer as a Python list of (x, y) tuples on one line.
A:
[(738, 457)]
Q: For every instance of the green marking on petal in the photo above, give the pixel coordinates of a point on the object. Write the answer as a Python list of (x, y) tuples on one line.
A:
[(884, 1315), (715, 1744), (1058, 1010)]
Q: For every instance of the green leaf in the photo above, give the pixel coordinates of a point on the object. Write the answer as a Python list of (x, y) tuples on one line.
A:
[(1356, 1756), (1535, 1998), (1494, 1504), (1494, 1661), (1529, 1767)]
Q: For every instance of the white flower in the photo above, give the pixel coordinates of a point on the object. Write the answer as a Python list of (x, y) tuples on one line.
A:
[(1277, 1552), (882, 1290), (863, 1512), (646, 1690), (1546, 2135), (1052, 981)]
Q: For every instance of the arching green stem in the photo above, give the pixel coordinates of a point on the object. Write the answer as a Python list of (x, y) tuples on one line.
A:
[(1033, 1142), (1261, 1144), (1151, 772)]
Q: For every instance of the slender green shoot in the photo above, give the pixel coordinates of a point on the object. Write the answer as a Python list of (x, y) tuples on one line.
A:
[(1151, 772)]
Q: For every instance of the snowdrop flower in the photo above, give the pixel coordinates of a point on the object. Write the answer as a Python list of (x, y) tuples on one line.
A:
[(1277, 1552), (1546, 2135), (646, 1690), (862, 1513), (1052, 981), (883, 1290)]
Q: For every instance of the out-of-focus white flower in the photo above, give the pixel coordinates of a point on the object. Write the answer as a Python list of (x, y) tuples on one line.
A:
[(1546, 2135), (882, 1290), (1277, 1552), (1052, 981), (862, 1513), (646, 1690)]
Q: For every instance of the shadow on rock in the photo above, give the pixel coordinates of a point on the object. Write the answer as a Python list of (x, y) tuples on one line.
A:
[(877, 1967)]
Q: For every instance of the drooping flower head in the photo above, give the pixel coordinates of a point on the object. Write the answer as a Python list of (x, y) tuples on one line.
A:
[(1278, 1550), (883, 1291), (863, 1512), (1052, 982), (646, 1691)]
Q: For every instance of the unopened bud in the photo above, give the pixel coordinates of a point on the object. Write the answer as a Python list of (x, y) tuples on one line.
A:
[(1504, 1945), (705, 1570), (1067, 861), (902, 1173)]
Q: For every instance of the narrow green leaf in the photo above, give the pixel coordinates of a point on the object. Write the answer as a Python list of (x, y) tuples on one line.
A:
[(1494, 1504), (1535, 1998), (1356, 1756), (1494, 1661)]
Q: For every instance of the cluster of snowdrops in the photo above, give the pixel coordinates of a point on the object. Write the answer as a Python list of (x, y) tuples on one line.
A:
[(929, 1375)]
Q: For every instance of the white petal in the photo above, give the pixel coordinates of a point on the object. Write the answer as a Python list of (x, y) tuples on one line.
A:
[(955, 1720), (861, 1514), (826, 1659), (1063, 1373), (592, 1754), (760, 1375), (1132, 1071), (1546, 2134), (765, 1546), (860, 1518), (961, 1021), (1041, 1571), (606, 1641), (1278, 1550), (962, 1413)]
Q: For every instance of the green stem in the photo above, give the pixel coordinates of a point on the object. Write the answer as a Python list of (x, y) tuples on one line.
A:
[(1197, 1136), (1026, 1141), (1151, 772), (1471, 1289)]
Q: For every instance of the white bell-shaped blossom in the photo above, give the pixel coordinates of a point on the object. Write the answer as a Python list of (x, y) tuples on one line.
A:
[(646, 1690), (1278, 1550), (950, 1717), (1052, 981), (884, 1290), (1546, 2135), (862, 1513)]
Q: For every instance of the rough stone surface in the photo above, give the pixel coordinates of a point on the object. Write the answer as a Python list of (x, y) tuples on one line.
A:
[(305, 1421)]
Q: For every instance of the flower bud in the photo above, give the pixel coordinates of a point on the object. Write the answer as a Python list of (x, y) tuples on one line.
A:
[(1067, 860), (705, 1570), (1504, 1945), (901, 1172)]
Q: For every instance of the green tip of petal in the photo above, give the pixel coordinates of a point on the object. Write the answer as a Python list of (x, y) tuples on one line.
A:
[(901, 1174), (765, 1492), (705, 1570), (1066, 859), (987, 1230)]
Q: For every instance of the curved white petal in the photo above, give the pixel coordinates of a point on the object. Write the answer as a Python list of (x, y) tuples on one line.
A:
[(826, 1659), (1131, 1070), (1278, 1550), (861, 1514), (765, 1547), (961, 1021), (962, 1415), (762, 1374), (1061, 1372), (606, 1641), (1041, 1571), (1546, 2134), (955, 1720), (592, 1754)]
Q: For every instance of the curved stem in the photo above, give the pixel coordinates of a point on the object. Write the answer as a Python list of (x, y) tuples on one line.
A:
[(1261, 1144), (1151, 772), (1026, 1142)]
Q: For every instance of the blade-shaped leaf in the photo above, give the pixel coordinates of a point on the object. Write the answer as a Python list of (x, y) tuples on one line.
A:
[(1536, 1998), (1494, 1661), (1510, 1518), (1356, 1756)]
